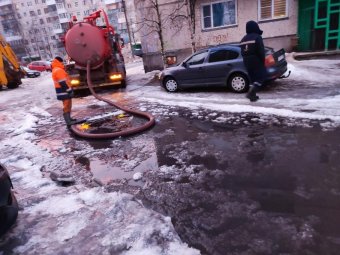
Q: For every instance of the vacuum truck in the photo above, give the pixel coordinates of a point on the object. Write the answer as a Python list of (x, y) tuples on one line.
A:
[(84, 41), (10, 71)]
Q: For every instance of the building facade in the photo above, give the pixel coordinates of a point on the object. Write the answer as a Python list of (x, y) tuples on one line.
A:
[(217, 22)]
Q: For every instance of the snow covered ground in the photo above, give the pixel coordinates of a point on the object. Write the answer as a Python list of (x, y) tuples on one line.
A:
[(82, 219)]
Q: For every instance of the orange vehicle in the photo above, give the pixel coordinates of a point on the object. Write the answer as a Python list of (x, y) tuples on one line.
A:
[(10, 71), (107, 62)]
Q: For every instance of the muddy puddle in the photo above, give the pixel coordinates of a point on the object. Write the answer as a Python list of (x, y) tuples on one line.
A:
[(235, 184), (248, 186)]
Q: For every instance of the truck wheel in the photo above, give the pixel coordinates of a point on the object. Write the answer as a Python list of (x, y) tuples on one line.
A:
[(12, 85), (123, 85)]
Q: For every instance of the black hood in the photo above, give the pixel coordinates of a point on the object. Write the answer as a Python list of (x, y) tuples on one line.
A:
[(253, 27)]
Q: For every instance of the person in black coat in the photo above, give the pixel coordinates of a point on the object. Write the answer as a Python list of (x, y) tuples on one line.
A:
[(252, 50)]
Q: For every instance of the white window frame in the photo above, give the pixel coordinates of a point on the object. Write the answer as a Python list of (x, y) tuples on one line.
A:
[(272, 11), (211, 17)]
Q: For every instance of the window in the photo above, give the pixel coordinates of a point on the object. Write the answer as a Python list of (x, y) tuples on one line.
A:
[(219, 14), (272, 9), (222, 55), (197, 59), (29, 3), (39, 11), (76, 4)]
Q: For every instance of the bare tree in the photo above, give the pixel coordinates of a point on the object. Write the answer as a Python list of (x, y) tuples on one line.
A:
[(189, 16), (191, 5), (155, 17)]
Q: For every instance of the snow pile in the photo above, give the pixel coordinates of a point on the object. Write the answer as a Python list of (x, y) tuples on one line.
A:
[(77, 220)]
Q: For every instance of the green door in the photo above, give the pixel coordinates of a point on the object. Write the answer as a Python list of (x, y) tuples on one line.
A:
[(319, 25)]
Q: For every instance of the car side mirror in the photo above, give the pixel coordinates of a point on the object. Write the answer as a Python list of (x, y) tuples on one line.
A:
[(184, 65)]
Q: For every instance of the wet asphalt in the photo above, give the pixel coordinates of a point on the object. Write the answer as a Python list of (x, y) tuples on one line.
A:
[(254, 188), (253, 184)]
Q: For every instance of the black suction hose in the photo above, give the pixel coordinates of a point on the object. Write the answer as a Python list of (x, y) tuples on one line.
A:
[(128, 131)]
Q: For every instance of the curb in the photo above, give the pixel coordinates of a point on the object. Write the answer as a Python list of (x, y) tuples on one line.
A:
[(317, 54)]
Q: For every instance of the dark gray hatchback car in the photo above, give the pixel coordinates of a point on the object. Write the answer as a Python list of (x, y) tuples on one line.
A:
[(219, 66)]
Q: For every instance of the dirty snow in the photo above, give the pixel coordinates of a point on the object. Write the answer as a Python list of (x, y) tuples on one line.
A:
[(83, 220), (74, 219)]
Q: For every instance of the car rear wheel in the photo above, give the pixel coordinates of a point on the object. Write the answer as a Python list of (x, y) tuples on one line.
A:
[(238, 83), (170, 84)]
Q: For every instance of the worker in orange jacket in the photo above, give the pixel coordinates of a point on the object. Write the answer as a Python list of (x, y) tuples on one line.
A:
[(63, 88)]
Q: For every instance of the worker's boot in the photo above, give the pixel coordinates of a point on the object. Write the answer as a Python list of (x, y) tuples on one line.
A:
[(73, 119), (77, 121), (251, 95), (68, 120)]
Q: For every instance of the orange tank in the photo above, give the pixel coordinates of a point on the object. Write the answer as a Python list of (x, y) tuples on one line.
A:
[(84, 41)]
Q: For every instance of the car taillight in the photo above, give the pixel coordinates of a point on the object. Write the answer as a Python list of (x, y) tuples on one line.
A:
[(269, 61)]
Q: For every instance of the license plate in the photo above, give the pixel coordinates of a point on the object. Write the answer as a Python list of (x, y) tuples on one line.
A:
[(281, 57)]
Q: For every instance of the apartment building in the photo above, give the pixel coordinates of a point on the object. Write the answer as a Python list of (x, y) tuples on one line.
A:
[(34, 27), (216, 22)]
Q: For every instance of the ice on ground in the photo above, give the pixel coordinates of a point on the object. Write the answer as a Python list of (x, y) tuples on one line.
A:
[(74, 219)]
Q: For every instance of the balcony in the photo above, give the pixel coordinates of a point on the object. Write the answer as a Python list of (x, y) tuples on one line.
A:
[(7, 12), (61, 10), (107, 2), (50, 2), (57, 31), (11, 38), (5, 2), (64, 20)]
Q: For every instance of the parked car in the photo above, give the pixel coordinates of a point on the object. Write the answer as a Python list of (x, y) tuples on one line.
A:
[(8, 204), (40, 66), (31, 73), (219, 66)]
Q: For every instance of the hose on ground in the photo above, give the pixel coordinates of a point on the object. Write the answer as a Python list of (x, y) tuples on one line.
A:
[(126, 132)]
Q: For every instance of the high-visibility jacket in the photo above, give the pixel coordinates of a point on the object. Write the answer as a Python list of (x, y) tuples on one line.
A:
[(61, 80)]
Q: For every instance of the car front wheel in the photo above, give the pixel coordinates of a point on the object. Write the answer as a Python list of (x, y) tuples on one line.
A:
[(171, 85), (238, 83)]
